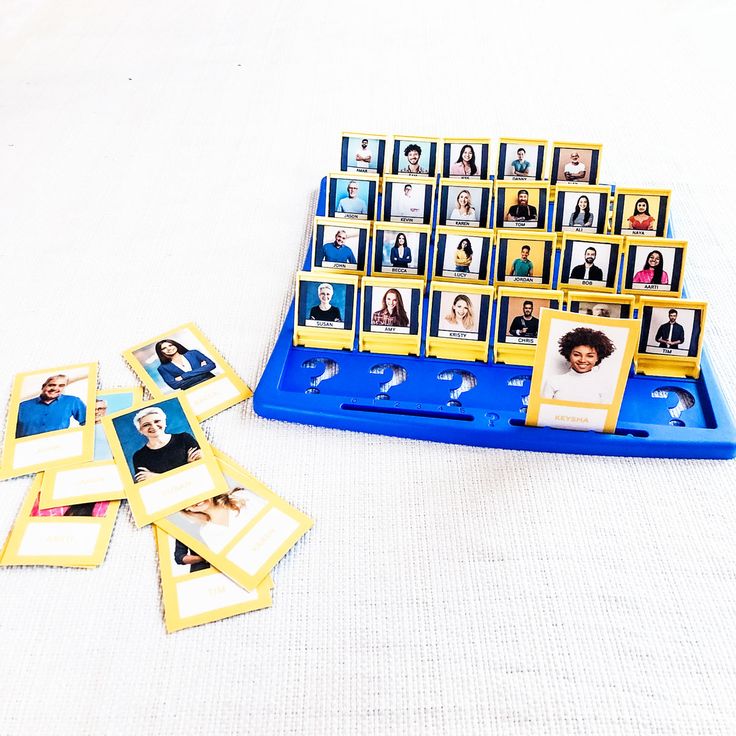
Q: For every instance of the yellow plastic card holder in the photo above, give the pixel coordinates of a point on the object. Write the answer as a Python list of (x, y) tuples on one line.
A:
[(243, 533), (60, 536), (465, 204), (183, 360), (352, 196), (363, 153), (462, 254), (601, 304), (521, 205), (517, 322), (392, 316), (408, 200), (100, 479), (392, 255), (580, 371), (414, 155), (324, 310), (49, 420), (466, 158), (202, 596), (525, 258), (340, 246), (581, 209), (520, 159), (641, 212), (590, 262), (654, 267), (163, 457), (671, 338), (459, 321), (575, 163)]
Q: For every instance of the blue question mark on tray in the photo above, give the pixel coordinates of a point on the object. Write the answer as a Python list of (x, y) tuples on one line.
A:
[(329, 370), (685, 401), (468, 381), (398, 376)]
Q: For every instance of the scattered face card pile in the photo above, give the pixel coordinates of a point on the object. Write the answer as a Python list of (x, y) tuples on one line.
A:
[(220, 531)]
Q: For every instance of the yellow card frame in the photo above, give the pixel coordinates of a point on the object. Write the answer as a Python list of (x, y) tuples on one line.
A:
[(56, 534), (60, 448), (339, 224), (525, 237), (370, 206), (652, 244), (173, 482), (218, 596), (559, 146), (500, 214), (447, 143), (405, 140), (579, 415), (653, 364), (255, 549), (365, 169), (100, 479), (595, 241), (402, 181), (619, 199), (207, 398), (461, 347), (581, 190), (521, 353), (524, 143), (392, 343), (465, 277), (397, 272), (472, 185), (336, 338)]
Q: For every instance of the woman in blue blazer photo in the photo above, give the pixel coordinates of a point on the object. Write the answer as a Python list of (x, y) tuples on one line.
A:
[(182, 368)]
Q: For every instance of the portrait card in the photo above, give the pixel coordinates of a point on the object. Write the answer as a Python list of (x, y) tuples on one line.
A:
[(408, 200), (243, 532), (363, 153), (600, 304), (47, 423), (163, 457), (522, 205), (671, 338), (464, 204), (65, 536), (340, 246), (520, 159), (641, 212), (414, 156), (581, 209), (183, 359), (324, 306), (590, 262), (580, 371), (100, 479), (575, 163), (400, 250), (525, 258), (352, 196), (466, 158), (462, 255), (193, 597), (654, 266), (517, 322), (392, 315), (459, 321)]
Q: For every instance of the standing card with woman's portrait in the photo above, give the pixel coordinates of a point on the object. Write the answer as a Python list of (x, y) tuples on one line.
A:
[(654, 266), (466, 158), (461, 254), (581, 209), (466, 204), (641, 212), (400, 250)]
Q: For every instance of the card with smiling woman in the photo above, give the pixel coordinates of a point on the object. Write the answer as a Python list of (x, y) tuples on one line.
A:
[(641, 212), (654, 266), (243, 532), (63, 536), (462, 255), (466, 158), (196, 593), (464, 204), (48, 425), (400, 250), (580, 371), (163, 457), (522, 205), (581, 209), (100, 479), (182, 359)]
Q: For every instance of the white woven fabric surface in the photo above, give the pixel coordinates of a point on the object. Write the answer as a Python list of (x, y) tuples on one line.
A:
[(158, 162)]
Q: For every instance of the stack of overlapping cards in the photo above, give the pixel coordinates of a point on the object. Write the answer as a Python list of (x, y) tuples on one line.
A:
[(219, 531)]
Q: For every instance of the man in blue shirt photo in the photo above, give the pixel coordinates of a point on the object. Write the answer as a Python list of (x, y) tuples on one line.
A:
[(51, 410), (338, 252)]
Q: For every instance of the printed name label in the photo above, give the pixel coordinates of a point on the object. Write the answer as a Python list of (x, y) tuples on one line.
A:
[(177, 489), (102, 480), (212, 393), (208, 593)]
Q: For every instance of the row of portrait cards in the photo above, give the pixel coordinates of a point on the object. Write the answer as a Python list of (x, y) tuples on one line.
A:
[(499, 204), (592, 262), (222, 524), (457, 318), (522, 159)]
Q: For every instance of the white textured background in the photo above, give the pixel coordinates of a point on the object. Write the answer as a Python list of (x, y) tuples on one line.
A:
[(158, 162)]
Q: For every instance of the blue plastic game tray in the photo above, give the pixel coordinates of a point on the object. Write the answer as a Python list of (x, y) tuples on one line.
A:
[(484, 404)]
